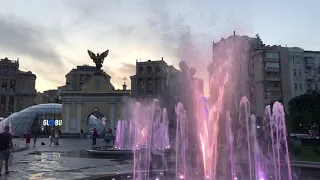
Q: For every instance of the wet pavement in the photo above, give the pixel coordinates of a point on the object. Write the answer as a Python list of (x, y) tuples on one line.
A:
[(70, 161), (66, 161)]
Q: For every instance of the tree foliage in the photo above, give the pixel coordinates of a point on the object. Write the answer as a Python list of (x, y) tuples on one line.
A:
[(304, 110)]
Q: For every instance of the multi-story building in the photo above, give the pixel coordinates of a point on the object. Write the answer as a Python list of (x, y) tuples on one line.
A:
[(312, 70), (81, 75), (270, 77), (152, 79), (296, 72), (232, 56), (17, 87)]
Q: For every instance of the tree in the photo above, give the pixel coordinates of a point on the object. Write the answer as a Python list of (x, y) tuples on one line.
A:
[(304, 111)]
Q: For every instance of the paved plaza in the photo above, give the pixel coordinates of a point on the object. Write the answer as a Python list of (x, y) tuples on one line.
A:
[(68, 161), (45, 165)]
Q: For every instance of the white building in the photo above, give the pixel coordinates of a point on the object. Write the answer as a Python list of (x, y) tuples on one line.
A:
[(297, 71)]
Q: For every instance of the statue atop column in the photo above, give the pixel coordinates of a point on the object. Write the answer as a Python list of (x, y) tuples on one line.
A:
[(98, 58)]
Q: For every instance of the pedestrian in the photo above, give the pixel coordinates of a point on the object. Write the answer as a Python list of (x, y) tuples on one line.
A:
[(81, 133), (35, 136), (52, 136), (114, 136), (28, 138), (5, 146), (108, 137), (56, 136), (94, 136)]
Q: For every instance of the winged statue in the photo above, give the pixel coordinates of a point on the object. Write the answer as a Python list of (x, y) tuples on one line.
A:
[(98, 58)]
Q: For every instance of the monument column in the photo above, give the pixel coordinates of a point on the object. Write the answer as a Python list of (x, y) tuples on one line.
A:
[(67, 117), (112, 120)]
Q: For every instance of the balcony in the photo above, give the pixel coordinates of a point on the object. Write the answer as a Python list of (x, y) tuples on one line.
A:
[(310, 78), (309, 64), (272, 88), (273, 78)]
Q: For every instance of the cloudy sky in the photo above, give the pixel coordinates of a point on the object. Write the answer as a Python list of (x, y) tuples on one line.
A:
[(51, 37)]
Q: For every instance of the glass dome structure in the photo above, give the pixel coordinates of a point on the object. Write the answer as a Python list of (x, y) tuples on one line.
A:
[(32, 119)]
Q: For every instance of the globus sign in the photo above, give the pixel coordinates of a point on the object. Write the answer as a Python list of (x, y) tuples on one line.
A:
[(52, 122)]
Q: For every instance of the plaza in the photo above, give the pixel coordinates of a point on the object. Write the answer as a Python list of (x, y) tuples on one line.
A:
[(70, 162)]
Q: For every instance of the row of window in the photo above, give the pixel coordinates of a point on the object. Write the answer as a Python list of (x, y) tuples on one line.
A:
[(273, 65), (309, 87), (149, 70), (272, 55), (272, 94), (295, 72)]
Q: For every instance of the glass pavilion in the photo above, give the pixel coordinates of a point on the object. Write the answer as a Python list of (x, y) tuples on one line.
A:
[(32, 119)]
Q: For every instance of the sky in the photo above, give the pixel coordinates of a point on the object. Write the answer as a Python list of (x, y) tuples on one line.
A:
[(52, 37)]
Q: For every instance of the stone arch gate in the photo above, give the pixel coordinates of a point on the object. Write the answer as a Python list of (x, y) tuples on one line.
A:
[(98, 113), (97, 95)]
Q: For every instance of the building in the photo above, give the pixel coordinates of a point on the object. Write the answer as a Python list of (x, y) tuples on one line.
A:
[(232, 56), (296, 72), (312, 70), (155, 79), (81, 75), (17, 87), (270, 78), (87, 93)]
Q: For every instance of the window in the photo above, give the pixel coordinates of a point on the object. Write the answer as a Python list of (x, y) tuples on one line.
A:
[(309, 86), (140, 70), (272, 55), (149, 81), (316, 86), (300, 86), (294, 72), (300, 72), (296, 86), (149, 69), (141, 82), (296, 59), (272, 65)]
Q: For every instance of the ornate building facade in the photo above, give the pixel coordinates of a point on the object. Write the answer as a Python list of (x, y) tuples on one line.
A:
[(94, 95), (17, 87)]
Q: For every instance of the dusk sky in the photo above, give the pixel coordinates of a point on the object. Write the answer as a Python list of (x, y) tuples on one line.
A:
[(52, 37)]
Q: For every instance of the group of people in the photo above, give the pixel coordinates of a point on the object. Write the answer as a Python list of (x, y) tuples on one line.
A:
[(109, 137), (54, 137)]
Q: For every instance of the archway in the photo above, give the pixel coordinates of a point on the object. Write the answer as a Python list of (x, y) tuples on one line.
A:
[(96, 119)]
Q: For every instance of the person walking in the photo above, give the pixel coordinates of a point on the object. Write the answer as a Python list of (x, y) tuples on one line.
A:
[(81, 133), (52, 137), (107, 138), (5, 146), (28, 138), (94, 136), (56, 136), (35, 136)]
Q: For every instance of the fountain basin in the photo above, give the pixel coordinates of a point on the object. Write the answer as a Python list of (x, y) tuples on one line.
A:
[(109, 151)]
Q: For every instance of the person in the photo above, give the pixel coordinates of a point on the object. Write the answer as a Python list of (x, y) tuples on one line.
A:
[(114, 136), (52, 137), (108, 137), (5, 145), (56, 136), (94, 136), (35, 136), (28, 138), (81, 133)]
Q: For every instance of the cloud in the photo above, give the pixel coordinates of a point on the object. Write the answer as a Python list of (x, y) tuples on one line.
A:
[(121, 74), (22, 38)]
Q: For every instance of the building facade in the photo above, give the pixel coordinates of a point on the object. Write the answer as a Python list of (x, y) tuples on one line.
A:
[(96, 96), (81, 75), (312, 70), (155, 79), (270, 77), (17, 87)]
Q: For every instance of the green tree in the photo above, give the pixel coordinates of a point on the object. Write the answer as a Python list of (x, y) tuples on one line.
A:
[(304, 110)]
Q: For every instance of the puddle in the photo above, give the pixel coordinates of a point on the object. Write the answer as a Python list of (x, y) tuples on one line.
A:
[(54, 155)]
